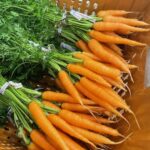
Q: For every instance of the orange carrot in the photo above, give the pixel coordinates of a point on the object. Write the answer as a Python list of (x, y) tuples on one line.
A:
[(115, 48), (39, 139), (83, 46), (132, 66), (51, 105), (33, 146), (92, 56), (68, 85), (112, 39), (101, 93), (45, 125), (83, 109), (112, 13), (78, 69), (102, 69), (117, 27), (97, 119), (58, 122), (128, 21), (62, 97), (81, 56), (70, 142), (100, 51), (78, 121), (59, 84)]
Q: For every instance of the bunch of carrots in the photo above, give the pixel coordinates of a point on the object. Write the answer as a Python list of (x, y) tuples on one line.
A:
[(79, 113)]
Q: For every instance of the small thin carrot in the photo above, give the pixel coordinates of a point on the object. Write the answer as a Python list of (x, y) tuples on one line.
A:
[(63, 97), (132, 66), (59, 84), (58, 122), (70, 142), (83, 109), (68, 85), (128, 21), (99, 50), (97, 119), (103, 13), (81, 56), (92, 56), (39, 139), (83, 46), (117, 27), (33, 146), (78, 121), (112, 39), (78, 69), (45, 125), (51, 105), (115, 48)]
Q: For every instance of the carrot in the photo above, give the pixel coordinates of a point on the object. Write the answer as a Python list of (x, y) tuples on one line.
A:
[(82, 109), (62, 97), (114, 83), (51, 105), (81, 56), (128, 21), (103, 13), (117, 27), (132, 66), (101, 93), (78, 69), (58, 122), (39, 139), (99, 50), (68, 85), (94, 137), (70, 142), (78, 121), (83, 46), (102, 102), (45, 125), (102, 69), (33, 146), (59, 84), (92, 56), (115, 48), (97, 119)]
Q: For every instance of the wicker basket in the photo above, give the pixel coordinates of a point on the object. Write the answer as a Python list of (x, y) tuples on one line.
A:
[(8, 139)]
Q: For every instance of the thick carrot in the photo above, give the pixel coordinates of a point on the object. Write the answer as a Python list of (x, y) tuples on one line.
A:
[(78, 121), (33, 146), (70, 142), (59, 84), (78, 69), (102, 102), (62, 97), (58, 122), (112, 13), (101, 93), (112, 39), (115, 48), (103, 54), (128, 21), (92, 56), (51, 105), (83, 109), (94, 137), (39, 139), (117, 27), (83, 46), (68, 85), (97, 119), (45, 125)]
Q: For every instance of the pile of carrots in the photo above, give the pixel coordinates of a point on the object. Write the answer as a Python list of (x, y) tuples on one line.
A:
[(86, 105)]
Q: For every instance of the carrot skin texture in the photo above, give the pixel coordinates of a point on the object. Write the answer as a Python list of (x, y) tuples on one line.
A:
[(33, 146), (51, 105), (40, 140), (70, 142), (78, 121), (45, 125), (87, 73), (68, 85), (83, 46)]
